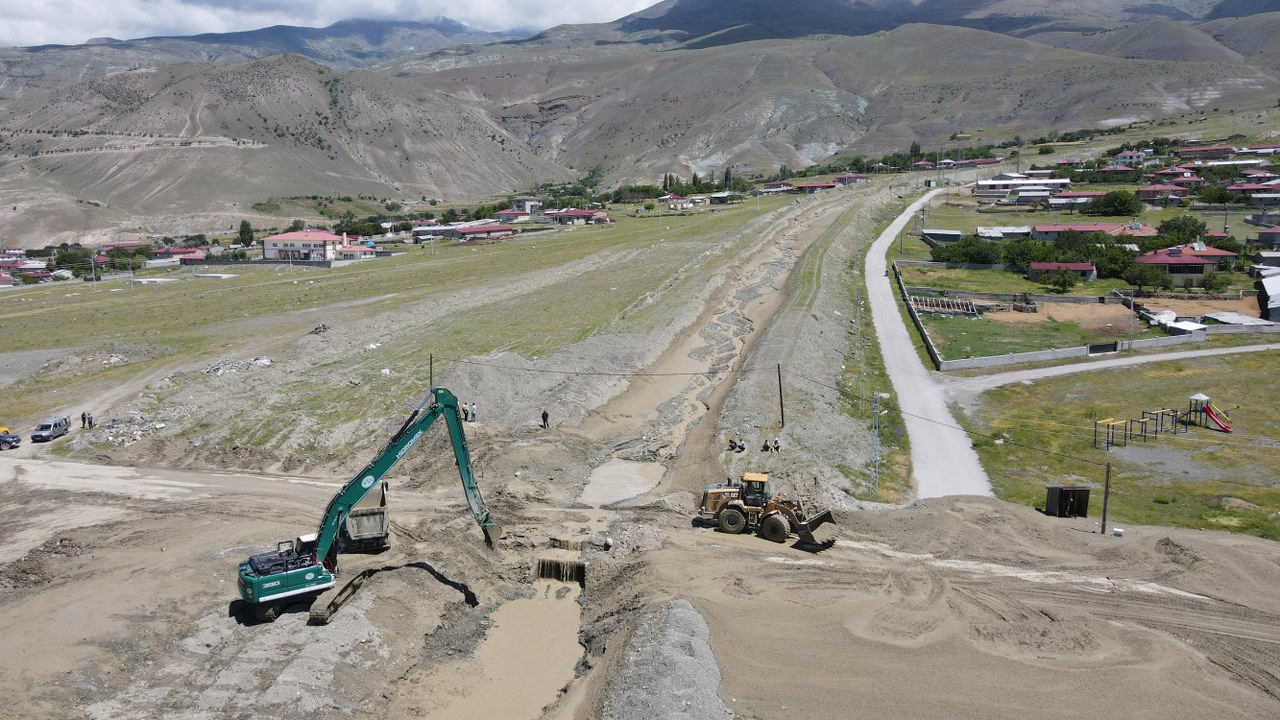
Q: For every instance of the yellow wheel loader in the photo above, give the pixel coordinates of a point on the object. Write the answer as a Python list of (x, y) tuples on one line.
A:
[(749, 504)]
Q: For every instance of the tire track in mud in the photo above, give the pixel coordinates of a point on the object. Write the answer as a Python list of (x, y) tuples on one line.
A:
[(1244, 642)]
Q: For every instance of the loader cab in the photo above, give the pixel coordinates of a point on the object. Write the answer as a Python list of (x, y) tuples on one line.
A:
[(755, 489)]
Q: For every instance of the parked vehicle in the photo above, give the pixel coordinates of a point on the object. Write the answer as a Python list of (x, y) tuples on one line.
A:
[(51, 429), (9, 440)]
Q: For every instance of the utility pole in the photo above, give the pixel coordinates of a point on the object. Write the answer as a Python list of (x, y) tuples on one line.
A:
[(875, 445), (1106, 496), (782, 410)]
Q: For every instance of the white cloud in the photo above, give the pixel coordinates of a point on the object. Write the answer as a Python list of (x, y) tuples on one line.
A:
[(72, 22)]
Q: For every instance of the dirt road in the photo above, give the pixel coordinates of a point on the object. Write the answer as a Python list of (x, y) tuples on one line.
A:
[(942, 456)]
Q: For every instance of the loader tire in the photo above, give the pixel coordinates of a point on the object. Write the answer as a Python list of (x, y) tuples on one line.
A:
[(732, 521), (775, 528)]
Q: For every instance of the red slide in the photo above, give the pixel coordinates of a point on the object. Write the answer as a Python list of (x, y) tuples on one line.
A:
[(1216, 418)]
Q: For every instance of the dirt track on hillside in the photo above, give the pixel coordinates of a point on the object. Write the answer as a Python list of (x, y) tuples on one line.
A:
[(121, 603)]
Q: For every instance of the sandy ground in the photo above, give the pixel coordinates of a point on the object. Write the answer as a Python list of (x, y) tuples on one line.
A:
[(1117, 319), (117, 583)]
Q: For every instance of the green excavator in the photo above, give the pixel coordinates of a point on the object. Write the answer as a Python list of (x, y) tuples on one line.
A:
[(300, 570)]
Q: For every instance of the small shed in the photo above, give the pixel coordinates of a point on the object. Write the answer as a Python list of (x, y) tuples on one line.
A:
[(1067, 501)]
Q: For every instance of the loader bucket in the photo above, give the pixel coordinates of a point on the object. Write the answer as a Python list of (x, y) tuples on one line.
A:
[(806, 528)]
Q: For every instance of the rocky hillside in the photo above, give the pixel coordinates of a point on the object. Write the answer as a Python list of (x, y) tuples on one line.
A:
[(685, 86)]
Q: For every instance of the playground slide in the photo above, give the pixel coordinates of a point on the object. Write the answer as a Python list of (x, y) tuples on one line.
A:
[(1216, 418)]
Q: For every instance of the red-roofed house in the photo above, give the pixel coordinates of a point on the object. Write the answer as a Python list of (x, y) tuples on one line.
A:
[(575, 217), (7, 280), (1185, 268), (511, 215), (356, 252), (1086, 271), (811, 188), (1116, 169), (476, 232), (1186, 181), (1213, 152), (1158, 193), (1049, 233), (302, 245), (922, 165)]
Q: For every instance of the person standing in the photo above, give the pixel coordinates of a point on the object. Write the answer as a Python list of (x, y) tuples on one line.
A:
[(84, 420), (90, 419), (473, 412), (545, 416)]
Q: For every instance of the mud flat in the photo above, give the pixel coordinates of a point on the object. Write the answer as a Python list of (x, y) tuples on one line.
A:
[(619, 480)]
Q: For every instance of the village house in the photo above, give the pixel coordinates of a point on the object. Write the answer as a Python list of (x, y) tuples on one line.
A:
[(811, 188), (1073, 199), (1003, 232), (1269, 298), (356, 252), (1161, 193), (922, 165), (1049, 233), (527, 204), (475, 232), (1137, 158), (511, 216), (577, 217), (1269, 237), (1185, 268), (1212, 152), (1083, 270), (305, 244), (1006, 182), (850, 178)]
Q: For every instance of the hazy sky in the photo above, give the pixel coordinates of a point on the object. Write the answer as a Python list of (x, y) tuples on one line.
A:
[(71, 22)]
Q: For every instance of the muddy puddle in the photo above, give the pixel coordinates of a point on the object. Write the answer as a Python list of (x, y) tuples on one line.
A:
[(527, 657), (619, 480)]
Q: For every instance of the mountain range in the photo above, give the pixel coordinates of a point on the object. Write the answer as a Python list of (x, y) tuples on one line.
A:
[(183, 134)]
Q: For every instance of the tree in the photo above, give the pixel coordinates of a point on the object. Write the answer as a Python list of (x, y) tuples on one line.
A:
[(915, 150), (1141, 275), (1215, 194), (970, 249), (1182, 229), (1116, 202), (246, 233), (1216, 283), (1061, 281), (1021, 252)]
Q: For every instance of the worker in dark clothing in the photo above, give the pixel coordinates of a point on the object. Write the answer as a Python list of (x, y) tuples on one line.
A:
[(545, 417)]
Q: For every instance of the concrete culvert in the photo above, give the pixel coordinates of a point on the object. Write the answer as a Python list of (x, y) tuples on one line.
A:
[(563, 570)]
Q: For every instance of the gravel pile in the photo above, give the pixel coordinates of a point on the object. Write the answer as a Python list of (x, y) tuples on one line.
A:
[(669, 670)]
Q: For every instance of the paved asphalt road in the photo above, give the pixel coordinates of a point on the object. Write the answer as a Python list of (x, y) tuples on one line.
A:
[(941, 453)]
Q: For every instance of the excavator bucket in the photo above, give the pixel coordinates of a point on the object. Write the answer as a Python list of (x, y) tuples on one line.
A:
[(492, 533), (806, 528)]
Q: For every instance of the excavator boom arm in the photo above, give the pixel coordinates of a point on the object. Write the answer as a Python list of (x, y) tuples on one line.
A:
[(439, 403)]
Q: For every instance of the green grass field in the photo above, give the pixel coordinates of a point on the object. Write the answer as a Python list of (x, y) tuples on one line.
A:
[(188, 321), (959, 337), (1194, 480)]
